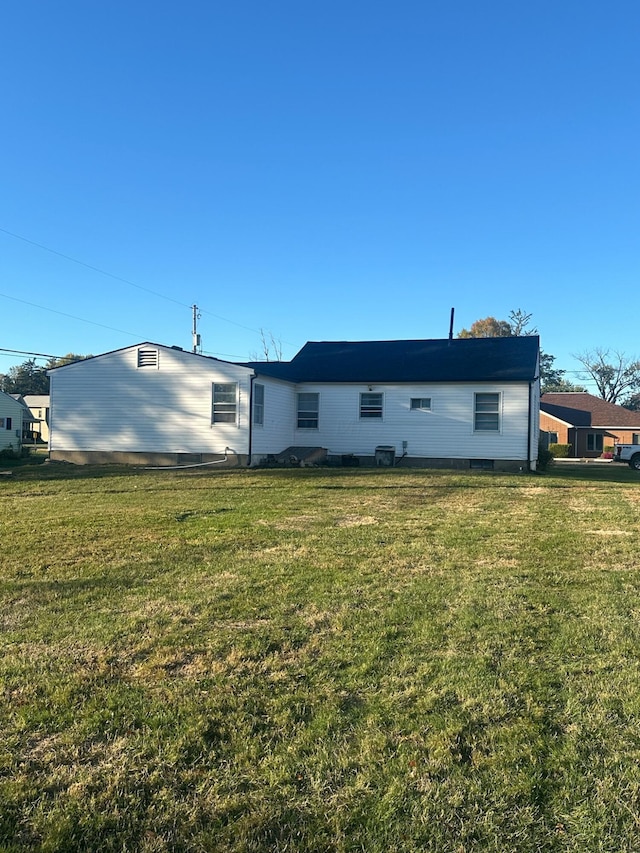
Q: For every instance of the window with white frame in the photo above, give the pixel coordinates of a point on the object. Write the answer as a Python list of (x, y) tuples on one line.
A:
[(421, 404), (225, 403), (370, 405), (258, 405), (308, 409), (594, 442), (486, 414)]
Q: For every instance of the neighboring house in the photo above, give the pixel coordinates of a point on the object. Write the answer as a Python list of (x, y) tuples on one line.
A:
[(29, 421), (587, 423), (11, 417), (39, 406), (464, 403)]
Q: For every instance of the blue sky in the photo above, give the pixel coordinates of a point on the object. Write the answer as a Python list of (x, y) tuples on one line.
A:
[(323, 171)]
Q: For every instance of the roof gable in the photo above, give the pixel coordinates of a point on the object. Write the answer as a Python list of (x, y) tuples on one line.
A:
[(581, 409), (143, 345), (513, 359)]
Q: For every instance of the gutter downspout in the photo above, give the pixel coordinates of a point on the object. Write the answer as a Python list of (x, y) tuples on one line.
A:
[(532, 462), (530, 430), (249, 449)]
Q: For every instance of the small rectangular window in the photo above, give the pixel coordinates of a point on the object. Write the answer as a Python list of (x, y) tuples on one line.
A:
[(308, 408), (481, 464), (370, 405), (1, 423), (258, 405), (635, 438), (487, 412), (8, 422), (225, 402), (594, 442), (423, 403), (553, 438), (147, 358)]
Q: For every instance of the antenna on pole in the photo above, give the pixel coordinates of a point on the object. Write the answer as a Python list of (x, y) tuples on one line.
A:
[(195, 335)]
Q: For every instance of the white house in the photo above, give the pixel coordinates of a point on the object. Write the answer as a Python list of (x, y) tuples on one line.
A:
[(11, 416), (470, 402)]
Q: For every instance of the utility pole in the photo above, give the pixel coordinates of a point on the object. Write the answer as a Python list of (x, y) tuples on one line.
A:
[(195, 335)]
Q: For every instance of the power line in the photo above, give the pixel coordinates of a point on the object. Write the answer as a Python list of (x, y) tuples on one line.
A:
[(71, 316), (36, 354), (89, 266), (123, 280)]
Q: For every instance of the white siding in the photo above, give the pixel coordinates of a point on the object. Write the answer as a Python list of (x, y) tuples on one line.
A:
[(108, 404), (10, 438), (277, 433), (444, 432)]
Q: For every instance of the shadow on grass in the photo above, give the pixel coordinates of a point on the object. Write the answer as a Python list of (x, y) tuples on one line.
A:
[(597, 473), (32, 469)]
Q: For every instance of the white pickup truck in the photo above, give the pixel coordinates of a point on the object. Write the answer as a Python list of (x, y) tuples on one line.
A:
[(629, 453)]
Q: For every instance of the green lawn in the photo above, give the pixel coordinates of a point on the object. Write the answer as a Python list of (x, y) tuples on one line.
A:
[(320, 660)]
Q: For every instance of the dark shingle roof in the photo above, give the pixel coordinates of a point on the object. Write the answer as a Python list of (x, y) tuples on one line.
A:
[(581, 409), (511, 359)]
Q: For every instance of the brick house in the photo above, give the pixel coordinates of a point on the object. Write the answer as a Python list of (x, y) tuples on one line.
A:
[(587, 423)]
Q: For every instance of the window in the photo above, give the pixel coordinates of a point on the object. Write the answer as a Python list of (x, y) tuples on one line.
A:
[(1, 423), (635, 438), (258, 405), (421, 403), (225, 402), (481, 464), (553, 438), (5, 423), (370, 405), (594, 442), (308, 407), (147, 358), (487, 413)]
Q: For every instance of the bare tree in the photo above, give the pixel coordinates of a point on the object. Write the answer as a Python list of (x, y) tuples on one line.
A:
[(271, 348), (613, 372), (519, 322)]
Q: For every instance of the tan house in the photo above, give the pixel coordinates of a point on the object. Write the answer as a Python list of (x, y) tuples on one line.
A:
[(39, 406), (587, 423)]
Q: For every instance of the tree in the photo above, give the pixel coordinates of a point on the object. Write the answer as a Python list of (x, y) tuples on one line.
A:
[(613, 372), (69, 358), (271, 348), (489, 327), (25, 378), (519, 322), (30, 378), (632, 402), (552, 378), (516, 326)]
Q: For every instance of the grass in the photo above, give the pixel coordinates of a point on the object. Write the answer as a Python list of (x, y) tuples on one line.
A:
[(319, 660)]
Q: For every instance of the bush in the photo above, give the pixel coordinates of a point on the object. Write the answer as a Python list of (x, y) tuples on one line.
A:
[(544, 458), (559, 451)]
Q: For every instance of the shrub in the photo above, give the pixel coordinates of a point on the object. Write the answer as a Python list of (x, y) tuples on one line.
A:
[(544, 457), (559, 451)]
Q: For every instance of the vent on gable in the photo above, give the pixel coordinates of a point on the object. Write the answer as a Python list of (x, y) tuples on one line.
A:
[(147, 358)]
